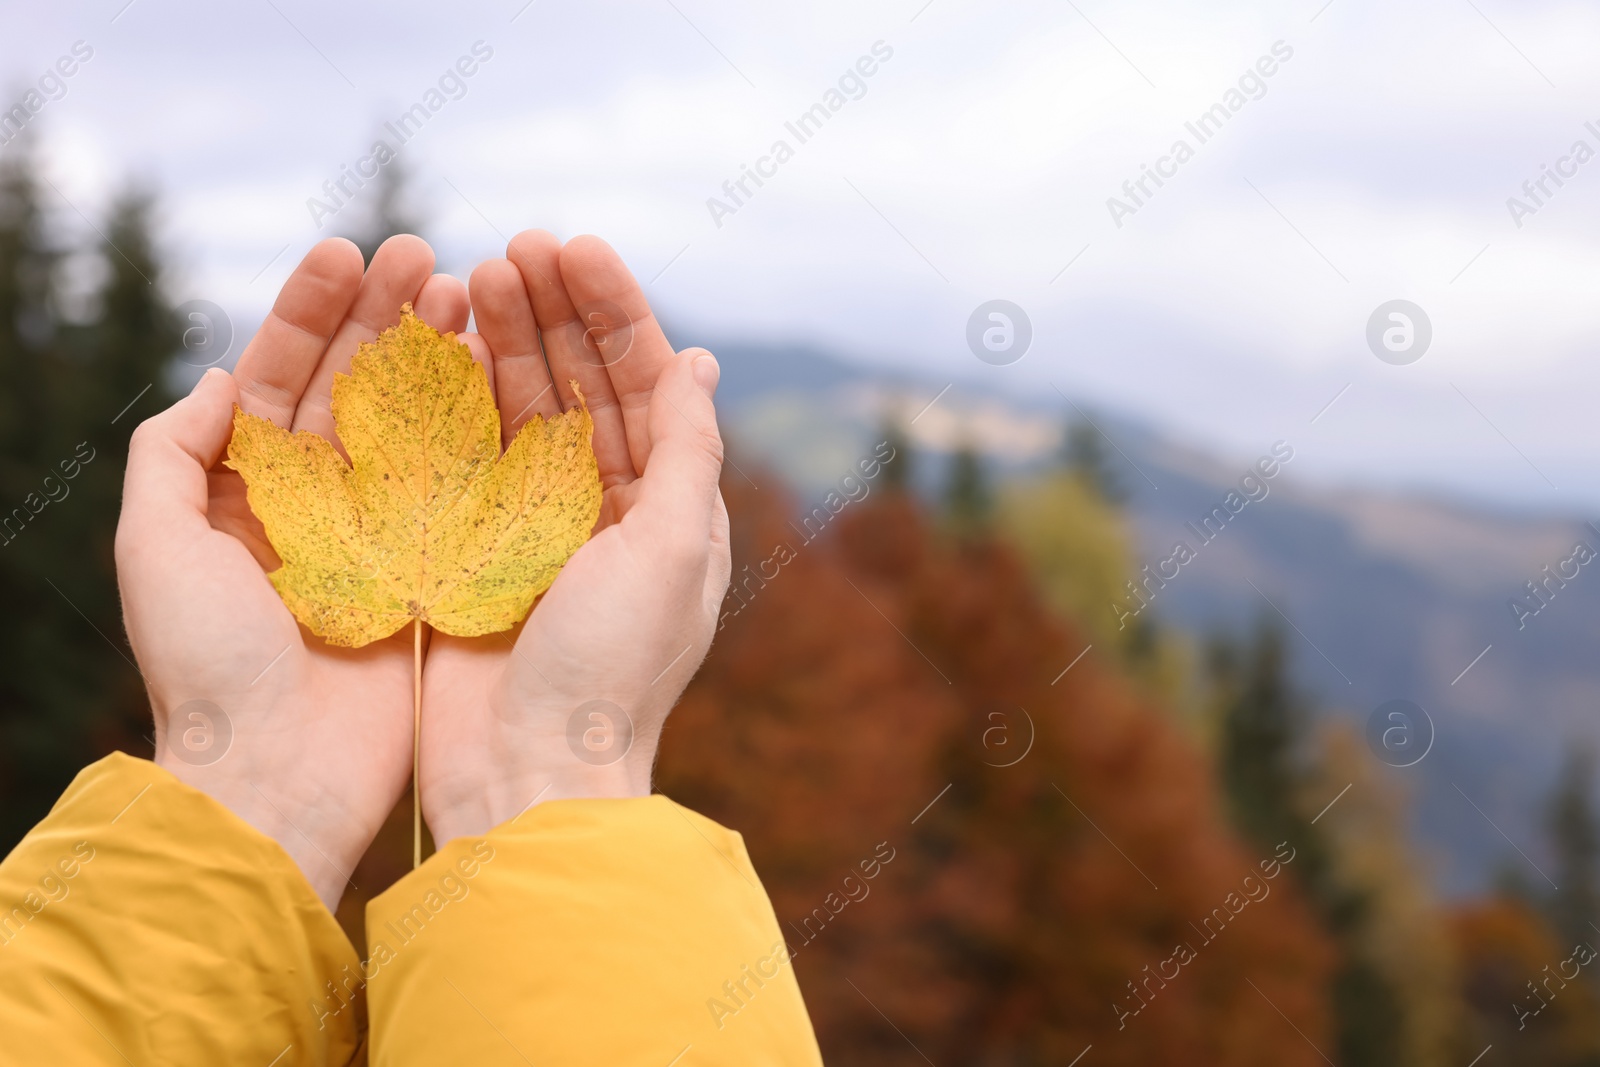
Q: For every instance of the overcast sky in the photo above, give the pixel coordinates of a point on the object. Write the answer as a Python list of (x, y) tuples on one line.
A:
[(1229, 307)]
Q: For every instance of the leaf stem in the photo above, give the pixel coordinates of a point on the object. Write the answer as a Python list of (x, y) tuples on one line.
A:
[(416, 745)]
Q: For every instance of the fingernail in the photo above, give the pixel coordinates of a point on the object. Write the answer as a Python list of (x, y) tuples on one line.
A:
[(210, 372), (707, 373)]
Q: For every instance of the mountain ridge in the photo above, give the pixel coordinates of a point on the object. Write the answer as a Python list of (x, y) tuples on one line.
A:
[(1387, 595)]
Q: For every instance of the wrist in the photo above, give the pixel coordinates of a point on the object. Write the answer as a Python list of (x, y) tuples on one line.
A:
[(314, 832), (515, 784)]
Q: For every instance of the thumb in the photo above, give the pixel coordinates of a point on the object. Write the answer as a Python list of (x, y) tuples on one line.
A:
[(170, 453), (680, 477)]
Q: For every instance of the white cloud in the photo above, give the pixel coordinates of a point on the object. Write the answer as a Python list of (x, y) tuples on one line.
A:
[(990, 142)]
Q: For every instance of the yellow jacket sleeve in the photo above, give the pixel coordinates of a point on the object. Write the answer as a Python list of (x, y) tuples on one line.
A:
[(142, 922), (585, 932)]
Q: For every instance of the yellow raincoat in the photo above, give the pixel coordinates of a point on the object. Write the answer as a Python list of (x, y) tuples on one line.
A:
[(142, 923)]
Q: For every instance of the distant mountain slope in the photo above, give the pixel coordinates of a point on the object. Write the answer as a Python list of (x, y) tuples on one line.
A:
[(1391, 596)]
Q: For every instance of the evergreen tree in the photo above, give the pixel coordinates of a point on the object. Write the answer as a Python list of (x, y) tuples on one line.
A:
[(1263, 721), (1401, 935), (897, 474), (1575, 907), (390, 209), (28, 341), (1263, 770), (70, 394), (30, 714), (127, 350), (969, 501), (1086, 457)]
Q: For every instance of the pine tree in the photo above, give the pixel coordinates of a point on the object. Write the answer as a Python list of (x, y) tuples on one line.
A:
[(898, 474), (1574, 908), (127, 350), (1263, 721), (1402, 935), (35, 708), (70, 394), (969, 501), (1263, 771), (390, 209), (1086, 457)]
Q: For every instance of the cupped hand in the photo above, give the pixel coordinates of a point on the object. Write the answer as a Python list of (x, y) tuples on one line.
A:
[(573, 704), (308, 743)]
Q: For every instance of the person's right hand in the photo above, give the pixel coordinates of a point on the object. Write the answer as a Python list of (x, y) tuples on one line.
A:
[(308, 743), (505, 717)]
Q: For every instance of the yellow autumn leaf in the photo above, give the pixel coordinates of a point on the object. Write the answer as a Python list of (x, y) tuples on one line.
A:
[(428, 520)]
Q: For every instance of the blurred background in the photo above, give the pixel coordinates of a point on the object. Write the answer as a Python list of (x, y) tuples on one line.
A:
[(1161, 464)]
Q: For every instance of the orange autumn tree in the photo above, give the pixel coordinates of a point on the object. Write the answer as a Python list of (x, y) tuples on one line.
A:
[(868, 709), (1515, 996)]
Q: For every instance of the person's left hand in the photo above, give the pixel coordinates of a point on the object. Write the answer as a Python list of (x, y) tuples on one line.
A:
[(309, 743)]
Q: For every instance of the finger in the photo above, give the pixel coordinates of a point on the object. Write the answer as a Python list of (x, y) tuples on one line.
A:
[(621, 328), (679, 489), (537, 256), (399, 268), (442, 303), (504, 316), (275, 367), (165, 486)]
